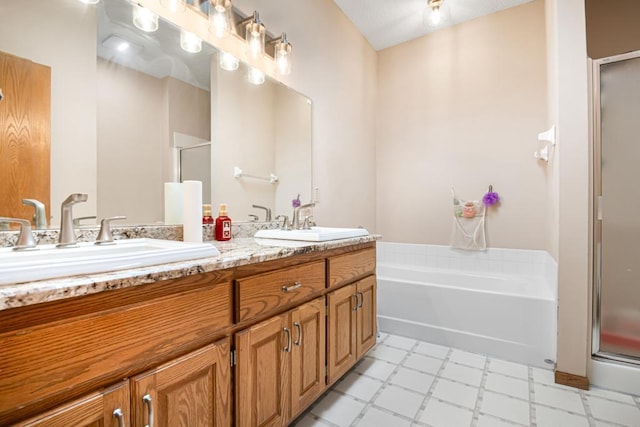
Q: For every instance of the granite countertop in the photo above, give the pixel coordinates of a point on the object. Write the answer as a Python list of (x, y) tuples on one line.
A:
[(234, 253)]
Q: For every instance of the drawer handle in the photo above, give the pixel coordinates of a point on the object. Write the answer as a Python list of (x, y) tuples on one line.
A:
[(355, 301), (147, 399), (298, 342), (361, 299), (293, 287), (120, 416), (287, 349)]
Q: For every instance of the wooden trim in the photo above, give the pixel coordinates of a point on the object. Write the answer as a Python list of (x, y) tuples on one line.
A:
[(572, 380)]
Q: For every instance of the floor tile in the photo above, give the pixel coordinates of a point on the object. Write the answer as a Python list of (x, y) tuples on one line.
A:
[(338, 409), (358, 386), (387, 353), (543, 376), (382, 336), (611, 395), (423, 363), (489, 421), (457, 393), (399, 401), (375, 368), (463, 374), (547, 417), (507, 385), (416, 381), (505, 407), (469, 359), (620, 413), (509, 368), (433, 350), (558, 398), (376, 418), (400, 342), (441, 414), (309, 421)]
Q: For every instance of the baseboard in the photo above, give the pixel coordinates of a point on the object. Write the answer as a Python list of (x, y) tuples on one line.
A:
[(572, 380)]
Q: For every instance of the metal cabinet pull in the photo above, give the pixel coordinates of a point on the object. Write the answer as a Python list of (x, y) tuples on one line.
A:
[(120, 416), (361, 299), (293, 287), (147, 399), (298, 342), (287, 349), (355, 301)]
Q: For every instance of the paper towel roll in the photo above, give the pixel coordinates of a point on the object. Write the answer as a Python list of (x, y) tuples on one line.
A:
[(173, 194), (192, 211)]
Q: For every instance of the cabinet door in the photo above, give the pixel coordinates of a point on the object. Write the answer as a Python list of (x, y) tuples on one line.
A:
[(193, 390), (308, 354), (366, 313), (262, 393), (108, 408), (341, 331)]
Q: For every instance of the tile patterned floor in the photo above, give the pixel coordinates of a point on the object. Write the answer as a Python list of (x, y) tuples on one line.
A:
[(404, 382)]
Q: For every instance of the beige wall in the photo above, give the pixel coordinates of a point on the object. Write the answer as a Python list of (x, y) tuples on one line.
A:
[(612, 27), (462, 107), (71, 55)]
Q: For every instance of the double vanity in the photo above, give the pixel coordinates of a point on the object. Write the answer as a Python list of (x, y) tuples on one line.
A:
[(251, 336)]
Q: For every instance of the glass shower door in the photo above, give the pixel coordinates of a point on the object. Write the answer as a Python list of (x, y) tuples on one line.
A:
[(617, 186)]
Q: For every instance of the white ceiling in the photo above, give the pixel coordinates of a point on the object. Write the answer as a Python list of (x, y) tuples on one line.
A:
[(387, 23)]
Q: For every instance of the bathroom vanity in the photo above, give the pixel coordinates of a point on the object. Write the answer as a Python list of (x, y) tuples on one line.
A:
[(251, 337)]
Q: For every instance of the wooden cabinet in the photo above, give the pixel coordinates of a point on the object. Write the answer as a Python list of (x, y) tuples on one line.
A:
[(191, 391), (280, 366), (351, 325), (107, 408)]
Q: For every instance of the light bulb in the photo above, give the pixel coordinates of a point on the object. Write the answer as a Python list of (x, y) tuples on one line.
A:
[(189, 42), (228, 62), (255, 76), (436, 15), (254, 35), (144, 19), (255, 45), (174, 5), (220, 18), (282, 55), (123, 46)]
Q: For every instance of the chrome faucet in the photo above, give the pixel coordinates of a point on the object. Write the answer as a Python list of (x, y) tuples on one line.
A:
[(25, 238), (67, 236), (40, 217), (295, 223), (267, 211)]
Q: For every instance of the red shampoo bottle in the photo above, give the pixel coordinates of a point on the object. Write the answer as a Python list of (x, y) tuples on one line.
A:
[(223, 224)]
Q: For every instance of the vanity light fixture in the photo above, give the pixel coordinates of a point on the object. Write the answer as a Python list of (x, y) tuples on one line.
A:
[(255, 76), (189, 42), (282, 54), (174, 5), (436, 13), (220, 17), (144, 19), (254, 35), (227, 61)]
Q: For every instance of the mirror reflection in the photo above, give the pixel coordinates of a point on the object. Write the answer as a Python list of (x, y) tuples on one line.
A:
[(123, 124)]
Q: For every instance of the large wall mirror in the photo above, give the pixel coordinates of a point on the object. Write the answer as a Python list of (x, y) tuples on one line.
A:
[(123, 122)]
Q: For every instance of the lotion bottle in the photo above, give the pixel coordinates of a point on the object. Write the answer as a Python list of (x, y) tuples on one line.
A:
[(206, 214), (223, 224)]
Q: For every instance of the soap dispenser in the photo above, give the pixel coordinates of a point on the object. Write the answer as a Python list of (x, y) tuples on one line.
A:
[(223, 224)]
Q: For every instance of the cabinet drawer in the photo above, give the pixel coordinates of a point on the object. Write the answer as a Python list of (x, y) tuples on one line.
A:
[(349, 267), (267, 292)]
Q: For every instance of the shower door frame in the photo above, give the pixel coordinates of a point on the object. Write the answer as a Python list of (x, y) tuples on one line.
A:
[(597, 211)]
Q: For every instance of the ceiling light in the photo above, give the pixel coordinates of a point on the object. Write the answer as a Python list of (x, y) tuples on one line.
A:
[(144, 19), (174, 5), (220, 17), (190, 42), (436, 13), (282, 54), (254, 36), (227, 61), (255, 76), (121, 45)]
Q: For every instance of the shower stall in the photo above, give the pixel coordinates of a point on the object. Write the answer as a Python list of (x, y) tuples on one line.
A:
[(616, 173)]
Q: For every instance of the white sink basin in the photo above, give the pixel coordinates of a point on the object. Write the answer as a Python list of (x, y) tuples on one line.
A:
[(315, 234), (48, 262)]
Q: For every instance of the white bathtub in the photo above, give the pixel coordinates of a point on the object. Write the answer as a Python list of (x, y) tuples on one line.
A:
[(510, 316)]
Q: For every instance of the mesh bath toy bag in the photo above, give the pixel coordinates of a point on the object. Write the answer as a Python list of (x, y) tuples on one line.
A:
[(468, 224)]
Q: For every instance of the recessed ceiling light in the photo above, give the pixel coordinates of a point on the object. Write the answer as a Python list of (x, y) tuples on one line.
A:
[(119, 44)]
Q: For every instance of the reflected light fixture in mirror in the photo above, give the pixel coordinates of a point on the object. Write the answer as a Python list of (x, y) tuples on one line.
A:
[(255, 76), (174, 5), (220, 18), (436, 13), (90, 1), (254, 36), (282, 54), (228, 62), (144, 19), (189, 42)]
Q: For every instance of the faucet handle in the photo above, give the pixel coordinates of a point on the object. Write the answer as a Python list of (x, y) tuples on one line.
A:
[(76, 221), (105, 236), (25, 238)]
